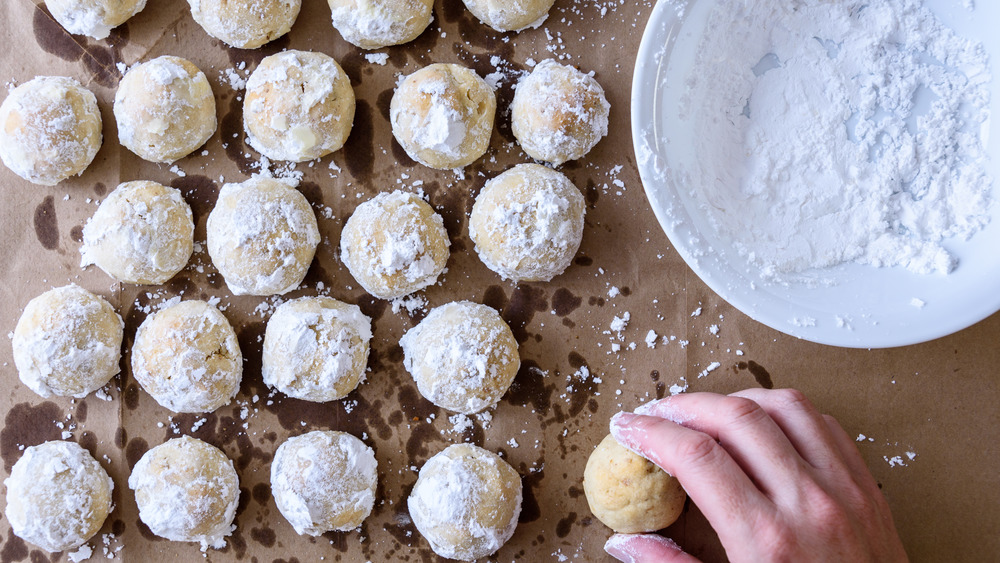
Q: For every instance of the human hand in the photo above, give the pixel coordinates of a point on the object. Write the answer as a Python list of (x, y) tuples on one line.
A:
[(777, 480)]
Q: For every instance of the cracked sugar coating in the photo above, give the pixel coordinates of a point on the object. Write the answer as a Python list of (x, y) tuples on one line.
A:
[(299, 106), (187, 490), (50, 129), (462, 356), (628, 493), (186, 356), (394, 244), (466, 502), (527, 223), (373, 24), (165, 109), (316, 348), (558, 113), (67, 342), (324, 481), (262, 236), (442, 115), (95, 18), (510, 15), (58, 496), (142, 233), (245, 24)]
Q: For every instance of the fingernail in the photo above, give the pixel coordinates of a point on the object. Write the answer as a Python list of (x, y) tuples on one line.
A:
[(623, 431), (647, 408), (617, 547)]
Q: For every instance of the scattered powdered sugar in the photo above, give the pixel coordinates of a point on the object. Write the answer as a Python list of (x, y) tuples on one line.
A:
[(377, 58), (836, 132)]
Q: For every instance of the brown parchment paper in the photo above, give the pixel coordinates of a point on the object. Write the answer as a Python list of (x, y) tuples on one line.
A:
[(937, 401)]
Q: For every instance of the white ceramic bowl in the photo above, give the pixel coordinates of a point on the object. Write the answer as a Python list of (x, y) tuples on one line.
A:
[(862, 306)]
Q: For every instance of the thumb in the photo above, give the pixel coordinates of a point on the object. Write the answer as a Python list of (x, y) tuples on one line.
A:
[(646, 548)]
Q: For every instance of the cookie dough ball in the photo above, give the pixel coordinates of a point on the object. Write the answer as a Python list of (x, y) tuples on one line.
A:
[(394, 244), (442, 115), (67, 342), (527, 223), (262, 236), (373, 24), (95, 18), (510, 15), (299, 106), (245, 24), (165, 109), (316, 348), (58, 496), (186, 356), (324, 481), (187, 490), (628, 493), (142, 233), (50, 129), (558, 113), (466, 502), (463, 356)]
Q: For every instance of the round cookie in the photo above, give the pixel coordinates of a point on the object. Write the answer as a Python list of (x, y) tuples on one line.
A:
[(187, 490), (373, 24), (50, 129), (316, 348), (95, 18), (442, 115), (558, 113), (186, 356), (527, 223), (299, 106), (510, 15), (466, 502), (324, 481), (628, 493), (462, 356), (245, 24), (165, 109), (262, 236), (67, 342), (142, 233), (58, 496), (394, 244)]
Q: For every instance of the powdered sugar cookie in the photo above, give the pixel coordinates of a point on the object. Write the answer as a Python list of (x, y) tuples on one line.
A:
[(465, 502), (394, 244), (558, 113), (186, 356), (67, 342), (262, 236), (165, 109), (299, 106), (58, 496), (510, 15), (50, 129), (187, 490), (95, 18), (442, 115), (143, 232), (628, 493), (316, 348), (527, 223), (245, 24), (324, 481), (373, 24), (462, 356)]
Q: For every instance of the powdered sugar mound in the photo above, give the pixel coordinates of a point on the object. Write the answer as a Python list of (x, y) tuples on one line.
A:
[(833, 132)]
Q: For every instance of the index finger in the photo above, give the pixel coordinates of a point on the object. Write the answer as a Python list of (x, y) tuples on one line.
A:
[(709, 475)]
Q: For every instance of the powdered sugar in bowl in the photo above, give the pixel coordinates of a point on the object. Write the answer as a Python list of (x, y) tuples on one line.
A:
[(829, 168)]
